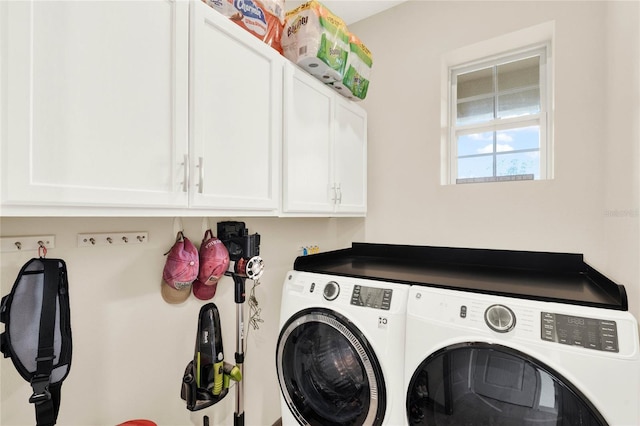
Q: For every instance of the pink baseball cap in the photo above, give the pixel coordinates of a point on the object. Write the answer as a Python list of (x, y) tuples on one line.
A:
[(180, 270), (203, 291), (214, 262), (214, 259)]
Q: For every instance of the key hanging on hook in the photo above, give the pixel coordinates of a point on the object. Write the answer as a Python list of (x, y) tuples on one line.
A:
[(42, 250)]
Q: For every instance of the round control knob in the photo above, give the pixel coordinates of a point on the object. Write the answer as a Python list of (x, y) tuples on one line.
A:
[(500, 318), (331, 290)]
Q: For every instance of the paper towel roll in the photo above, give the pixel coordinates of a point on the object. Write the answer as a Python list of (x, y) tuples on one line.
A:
[(355, 83), (358, 68), (316, 40)]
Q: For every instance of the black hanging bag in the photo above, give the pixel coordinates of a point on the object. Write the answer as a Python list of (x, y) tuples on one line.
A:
[(37, 334)]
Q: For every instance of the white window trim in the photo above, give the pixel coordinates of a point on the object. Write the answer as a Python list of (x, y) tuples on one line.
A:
[(523, 41)]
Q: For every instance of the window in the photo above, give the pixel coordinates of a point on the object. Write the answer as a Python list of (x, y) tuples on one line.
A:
[(498, 118)]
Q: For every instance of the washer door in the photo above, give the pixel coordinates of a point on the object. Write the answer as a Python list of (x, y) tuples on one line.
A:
[(482, 384), (328, 372)]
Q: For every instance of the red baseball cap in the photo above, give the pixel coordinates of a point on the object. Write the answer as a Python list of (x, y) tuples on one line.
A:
[(180, 270), (214, 259), (214, 262), (203, 291)]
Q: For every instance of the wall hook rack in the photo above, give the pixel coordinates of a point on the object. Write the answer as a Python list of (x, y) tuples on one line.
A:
[(112, 239), (27, 242)]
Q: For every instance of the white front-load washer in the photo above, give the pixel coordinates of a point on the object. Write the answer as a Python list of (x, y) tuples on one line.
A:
[(482, 359), (340, 353)]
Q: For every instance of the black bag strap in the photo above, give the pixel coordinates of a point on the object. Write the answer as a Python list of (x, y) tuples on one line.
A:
[(47, 410), (45, 397), (4, 347)]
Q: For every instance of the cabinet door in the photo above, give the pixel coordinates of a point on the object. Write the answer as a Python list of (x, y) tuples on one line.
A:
[(236, 116), (95, 103), (308, 117), (350, 157)]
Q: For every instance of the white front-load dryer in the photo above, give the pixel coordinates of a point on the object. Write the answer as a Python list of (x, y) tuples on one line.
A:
[(340, 353), (482, 359)]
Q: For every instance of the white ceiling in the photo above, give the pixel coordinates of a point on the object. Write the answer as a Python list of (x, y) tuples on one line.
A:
[(351, 10)]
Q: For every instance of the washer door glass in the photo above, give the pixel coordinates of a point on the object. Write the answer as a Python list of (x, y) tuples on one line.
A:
[(328, 373), (481, 384)]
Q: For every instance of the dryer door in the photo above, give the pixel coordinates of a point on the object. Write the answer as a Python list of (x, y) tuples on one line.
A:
[(479, 383), (328, 372)]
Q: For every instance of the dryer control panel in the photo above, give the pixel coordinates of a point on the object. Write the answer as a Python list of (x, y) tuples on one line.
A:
[(589, 333)]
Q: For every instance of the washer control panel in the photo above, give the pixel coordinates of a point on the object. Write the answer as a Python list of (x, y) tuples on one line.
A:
[(589, 333), (371, 297)]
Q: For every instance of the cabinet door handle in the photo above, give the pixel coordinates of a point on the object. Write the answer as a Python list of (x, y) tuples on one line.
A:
[(200, 175), (185, 181), (339, 194), (335, 194)]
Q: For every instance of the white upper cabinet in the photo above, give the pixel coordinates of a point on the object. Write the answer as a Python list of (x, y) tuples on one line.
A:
[(350, 157), (166, 107), (236, 116), (94, 103), (308, 169), (325, 150)]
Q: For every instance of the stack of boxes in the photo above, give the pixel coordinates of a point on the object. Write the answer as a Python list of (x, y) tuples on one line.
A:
[(310, 36)]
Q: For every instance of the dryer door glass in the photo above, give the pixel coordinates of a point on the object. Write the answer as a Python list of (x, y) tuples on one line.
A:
[(327, 371), (483, 384)]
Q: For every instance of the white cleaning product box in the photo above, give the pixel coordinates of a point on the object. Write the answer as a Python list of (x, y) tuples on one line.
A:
[(316, 40)]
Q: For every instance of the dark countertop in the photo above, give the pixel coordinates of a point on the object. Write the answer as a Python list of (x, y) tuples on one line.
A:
[(556, 277)]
